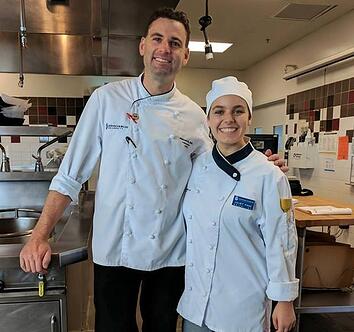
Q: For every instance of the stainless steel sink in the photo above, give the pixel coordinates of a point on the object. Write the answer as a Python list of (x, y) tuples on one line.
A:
[(15, 223)]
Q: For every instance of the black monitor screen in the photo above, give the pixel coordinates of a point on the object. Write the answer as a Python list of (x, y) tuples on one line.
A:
[(262, 142)]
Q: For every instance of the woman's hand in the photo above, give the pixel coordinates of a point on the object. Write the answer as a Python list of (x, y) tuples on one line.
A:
[(284, 317), (277, 160)]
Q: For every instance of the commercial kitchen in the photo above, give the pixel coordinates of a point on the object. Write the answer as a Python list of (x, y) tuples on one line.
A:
[(297, 57)]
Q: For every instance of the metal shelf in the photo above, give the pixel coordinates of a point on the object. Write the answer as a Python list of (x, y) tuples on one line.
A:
[(33, 131), (27, 176), (326, 302)]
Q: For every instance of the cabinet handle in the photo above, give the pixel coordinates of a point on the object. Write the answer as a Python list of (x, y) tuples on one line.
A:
[(53, 324)]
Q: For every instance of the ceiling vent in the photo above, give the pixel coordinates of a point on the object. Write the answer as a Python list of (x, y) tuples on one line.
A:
[(303, 12)]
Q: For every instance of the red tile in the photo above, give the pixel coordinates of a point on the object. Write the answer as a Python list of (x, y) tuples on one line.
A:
[(42, 110), (33, 119), (351, 97), (15, 139), (335, 124), (52, 120)]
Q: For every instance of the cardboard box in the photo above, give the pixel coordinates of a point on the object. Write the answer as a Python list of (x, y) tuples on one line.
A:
[(328, 265)]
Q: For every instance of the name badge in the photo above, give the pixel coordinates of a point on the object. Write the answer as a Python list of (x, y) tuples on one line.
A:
[(244, 203)]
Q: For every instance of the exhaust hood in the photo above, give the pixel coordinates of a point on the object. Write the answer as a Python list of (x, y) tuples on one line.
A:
[(76, 37)]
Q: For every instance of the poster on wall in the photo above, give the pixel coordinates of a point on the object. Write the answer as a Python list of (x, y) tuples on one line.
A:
[(343, 148), (328, 142)]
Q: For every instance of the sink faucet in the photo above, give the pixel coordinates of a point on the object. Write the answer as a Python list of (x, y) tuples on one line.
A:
[(5, 161), (39, 165)]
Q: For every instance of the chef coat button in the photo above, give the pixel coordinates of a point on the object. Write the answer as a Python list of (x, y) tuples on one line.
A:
[(158, 211), (211, 247), (130, 206), (163, 187), (197, 191), (234, 175), (129, 233), (190, 217), (208, 270), (190, 241), (134, 155), (172, 136), (190, 288), (221, 198), (167, 162), (213, 223), (205, 168), (152, 236), (191, 264), (132, 180)]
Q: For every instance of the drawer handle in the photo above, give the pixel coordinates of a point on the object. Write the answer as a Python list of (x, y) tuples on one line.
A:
[(53, 324)]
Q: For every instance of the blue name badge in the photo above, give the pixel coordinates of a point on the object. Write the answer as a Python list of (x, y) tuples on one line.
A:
[(244, 203)]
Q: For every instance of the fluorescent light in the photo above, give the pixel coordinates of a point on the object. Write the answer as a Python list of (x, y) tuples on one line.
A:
[(195, 46)]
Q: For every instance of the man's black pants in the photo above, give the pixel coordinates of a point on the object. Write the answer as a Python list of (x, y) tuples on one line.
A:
[(116, 292)]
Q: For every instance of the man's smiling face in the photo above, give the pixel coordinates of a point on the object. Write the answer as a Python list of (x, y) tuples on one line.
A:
[(164, 49)]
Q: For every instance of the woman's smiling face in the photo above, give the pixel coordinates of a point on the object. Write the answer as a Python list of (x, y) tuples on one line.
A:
[(229, 119)]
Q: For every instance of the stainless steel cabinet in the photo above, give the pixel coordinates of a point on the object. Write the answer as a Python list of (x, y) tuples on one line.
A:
[(18, 315)]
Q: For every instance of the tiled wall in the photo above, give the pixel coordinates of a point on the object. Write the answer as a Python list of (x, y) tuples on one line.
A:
[(326, 108), (45, 111)]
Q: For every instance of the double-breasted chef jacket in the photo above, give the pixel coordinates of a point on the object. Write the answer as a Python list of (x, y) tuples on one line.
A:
[(241, 246), (145, 145)]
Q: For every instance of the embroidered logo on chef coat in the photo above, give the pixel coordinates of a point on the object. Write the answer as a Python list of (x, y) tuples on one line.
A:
[(115, 126), (134, 117), (243, 202)]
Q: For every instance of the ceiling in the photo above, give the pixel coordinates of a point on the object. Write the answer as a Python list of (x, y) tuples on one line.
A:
[(248, 24), (101, 37)]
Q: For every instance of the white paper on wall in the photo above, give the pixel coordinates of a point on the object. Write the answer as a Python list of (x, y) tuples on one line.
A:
[(328, 142)]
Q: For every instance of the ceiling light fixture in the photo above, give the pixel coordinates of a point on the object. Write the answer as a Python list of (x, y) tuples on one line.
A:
[(198, 46)]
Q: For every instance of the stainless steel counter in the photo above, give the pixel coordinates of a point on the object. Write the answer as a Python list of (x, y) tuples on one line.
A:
[(70, 239)]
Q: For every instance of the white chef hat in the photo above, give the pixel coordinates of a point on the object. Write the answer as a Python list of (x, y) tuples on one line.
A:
[(229, 86)]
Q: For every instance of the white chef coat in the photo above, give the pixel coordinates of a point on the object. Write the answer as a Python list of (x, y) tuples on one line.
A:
[(241, 246), (145, 145)]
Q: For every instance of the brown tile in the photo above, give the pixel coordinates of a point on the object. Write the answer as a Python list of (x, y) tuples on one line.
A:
[(15, 139), (52, 101), (344, 111), (345, 85), (351, 97), (33, 119), (338, 87), (325, 90), (329, 113), (42, 110), (331, 89), (79, 102), (43, 119), (351, 110), (42, 101), (71, 111), (312, 93), (70, 102), (33, 110), (337, 99), (61, 111), (351, 84), (329, 125), (335, 124), (322, 125), (344, 99), (319, 92), (61, 102), (52, 120)]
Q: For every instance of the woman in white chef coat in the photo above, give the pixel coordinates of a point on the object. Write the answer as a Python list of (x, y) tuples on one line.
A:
[(241, 235)]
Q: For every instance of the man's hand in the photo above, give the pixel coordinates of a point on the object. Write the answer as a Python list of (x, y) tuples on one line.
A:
[(35, 256), (284, 317), (277, 161)]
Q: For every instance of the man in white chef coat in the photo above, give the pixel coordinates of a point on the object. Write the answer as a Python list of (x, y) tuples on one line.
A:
[(144, 133)]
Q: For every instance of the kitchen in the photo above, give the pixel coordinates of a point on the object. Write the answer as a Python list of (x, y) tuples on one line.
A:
[(264, 49)]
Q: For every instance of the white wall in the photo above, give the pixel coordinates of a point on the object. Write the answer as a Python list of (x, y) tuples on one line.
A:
[(265, 80)]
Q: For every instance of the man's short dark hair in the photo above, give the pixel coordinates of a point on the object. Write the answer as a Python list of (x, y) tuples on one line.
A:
[(171, 14)]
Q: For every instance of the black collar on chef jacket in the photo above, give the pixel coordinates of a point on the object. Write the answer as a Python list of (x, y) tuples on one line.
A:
[(225, 163)]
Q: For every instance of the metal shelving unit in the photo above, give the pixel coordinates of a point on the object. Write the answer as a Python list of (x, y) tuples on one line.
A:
[(34, 131)]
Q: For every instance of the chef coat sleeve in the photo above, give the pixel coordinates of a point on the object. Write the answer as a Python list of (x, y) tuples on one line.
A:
[(83, 152), (280, 237)]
